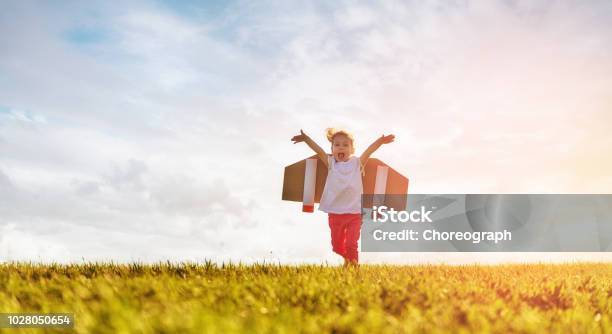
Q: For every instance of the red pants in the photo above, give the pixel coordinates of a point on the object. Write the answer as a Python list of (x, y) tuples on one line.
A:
[(345, 232)]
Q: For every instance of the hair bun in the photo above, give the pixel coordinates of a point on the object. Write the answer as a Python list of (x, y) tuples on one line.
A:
[(329, 133)]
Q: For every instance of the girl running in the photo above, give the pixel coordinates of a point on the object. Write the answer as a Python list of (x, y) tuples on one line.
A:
[(341, 198)]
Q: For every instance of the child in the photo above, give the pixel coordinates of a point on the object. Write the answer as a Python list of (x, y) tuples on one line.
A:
[(341, 198)]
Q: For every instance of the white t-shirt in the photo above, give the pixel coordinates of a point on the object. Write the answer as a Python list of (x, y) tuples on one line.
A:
[(343, 187)]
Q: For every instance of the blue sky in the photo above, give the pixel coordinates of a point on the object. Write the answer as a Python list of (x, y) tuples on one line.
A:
[(169, 123)]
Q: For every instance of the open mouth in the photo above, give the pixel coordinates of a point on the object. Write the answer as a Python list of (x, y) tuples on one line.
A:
[(341, 156)]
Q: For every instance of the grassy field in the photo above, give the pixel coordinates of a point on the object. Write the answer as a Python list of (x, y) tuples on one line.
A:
[(200, 298)]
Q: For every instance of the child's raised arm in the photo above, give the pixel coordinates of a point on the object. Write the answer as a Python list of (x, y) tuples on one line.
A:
[(302, 137), (375, 145)]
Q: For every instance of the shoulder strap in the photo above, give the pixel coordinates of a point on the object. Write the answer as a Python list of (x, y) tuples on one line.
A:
[(330, 160), (361, 167)]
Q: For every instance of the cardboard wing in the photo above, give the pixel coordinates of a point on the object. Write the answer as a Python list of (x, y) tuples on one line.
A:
[(304, 182)]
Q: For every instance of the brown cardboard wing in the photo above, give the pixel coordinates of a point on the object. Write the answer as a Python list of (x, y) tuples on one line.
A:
[(397, 184), (293, 181)]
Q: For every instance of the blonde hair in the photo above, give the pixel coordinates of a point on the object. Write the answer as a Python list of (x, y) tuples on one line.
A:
[(331, 133)]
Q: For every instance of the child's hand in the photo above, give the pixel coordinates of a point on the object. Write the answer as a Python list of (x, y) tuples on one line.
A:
[(299, 138), (387, 139)]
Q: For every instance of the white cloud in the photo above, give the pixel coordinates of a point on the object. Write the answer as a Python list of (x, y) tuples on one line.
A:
[(19, 245), (174, 132)]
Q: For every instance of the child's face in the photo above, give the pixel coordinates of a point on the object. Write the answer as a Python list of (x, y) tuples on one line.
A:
[(341, 148)]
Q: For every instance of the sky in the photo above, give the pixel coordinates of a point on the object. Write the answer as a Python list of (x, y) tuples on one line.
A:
[(159, 130)]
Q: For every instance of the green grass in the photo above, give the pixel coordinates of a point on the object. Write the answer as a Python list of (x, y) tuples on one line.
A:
[(200, 298)]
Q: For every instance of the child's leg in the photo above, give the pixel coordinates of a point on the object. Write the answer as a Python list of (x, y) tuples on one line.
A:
[(338, 234), (353, 233)]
